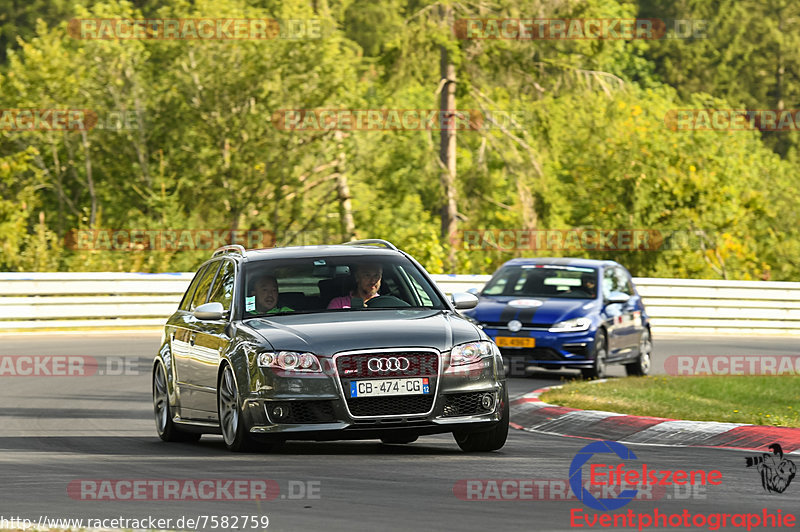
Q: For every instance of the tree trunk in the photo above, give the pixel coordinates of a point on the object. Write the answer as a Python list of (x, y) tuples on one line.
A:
[(343, 192), (89, 179), (447, 154)]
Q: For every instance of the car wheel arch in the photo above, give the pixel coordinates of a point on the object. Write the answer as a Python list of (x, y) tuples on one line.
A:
[(170, 378), (602, 330), (239, 362)]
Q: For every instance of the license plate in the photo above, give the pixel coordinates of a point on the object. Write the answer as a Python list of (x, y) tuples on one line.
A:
[(514, 341), (382, 387)]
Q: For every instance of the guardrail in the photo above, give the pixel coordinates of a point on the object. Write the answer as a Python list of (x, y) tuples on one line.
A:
[(36, 301)]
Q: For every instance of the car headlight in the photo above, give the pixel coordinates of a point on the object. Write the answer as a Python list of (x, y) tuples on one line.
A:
[(573, 325), (289, 360), (472, 352)]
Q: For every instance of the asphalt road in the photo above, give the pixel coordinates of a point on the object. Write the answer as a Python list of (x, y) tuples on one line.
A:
[(67, 439)]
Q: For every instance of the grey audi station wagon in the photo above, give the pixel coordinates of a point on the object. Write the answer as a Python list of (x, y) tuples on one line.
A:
[(351, 341)]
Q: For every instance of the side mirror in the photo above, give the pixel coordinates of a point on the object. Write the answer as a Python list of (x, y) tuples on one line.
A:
[(617, 297), (473, 291), (463, 300), (209, 311)]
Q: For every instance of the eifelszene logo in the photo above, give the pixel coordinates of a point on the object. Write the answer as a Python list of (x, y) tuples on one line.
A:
[(618, 476), (776, 471), (576, 475)]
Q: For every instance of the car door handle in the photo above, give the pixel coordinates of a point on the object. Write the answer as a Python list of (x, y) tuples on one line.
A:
[(191, 339)]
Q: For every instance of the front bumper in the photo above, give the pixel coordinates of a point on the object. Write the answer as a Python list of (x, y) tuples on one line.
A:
[(315, 406), (552, 350)]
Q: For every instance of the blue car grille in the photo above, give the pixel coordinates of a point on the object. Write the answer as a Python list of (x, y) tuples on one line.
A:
[(504, 325)]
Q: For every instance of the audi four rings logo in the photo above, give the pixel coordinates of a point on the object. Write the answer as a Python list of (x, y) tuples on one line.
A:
[(388, 364)]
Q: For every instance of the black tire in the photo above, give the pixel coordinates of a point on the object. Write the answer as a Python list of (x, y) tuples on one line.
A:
[(166, 428), (600, 351), (399, 439), (490, 440), (641, 366), (231, 422)]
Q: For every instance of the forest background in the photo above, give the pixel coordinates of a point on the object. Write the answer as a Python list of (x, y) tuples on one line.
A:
[(575, 133)]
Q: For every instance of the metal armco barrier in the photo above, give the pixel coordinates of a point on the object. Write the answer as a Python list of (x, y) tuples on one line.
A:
[(36, 301)]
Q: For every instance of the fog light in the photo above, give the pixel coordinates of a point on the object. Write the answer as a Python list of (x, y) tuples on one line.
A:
[(487, 401), (280, 412)]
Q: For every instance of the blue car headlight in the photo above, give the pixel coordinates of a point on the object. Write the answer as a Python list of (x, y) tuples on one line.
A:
[(472, 352), (573, 325)]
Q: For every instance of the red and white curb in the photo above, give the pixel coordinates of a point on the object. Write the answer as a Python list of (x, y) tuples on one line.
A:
[(531, 414)]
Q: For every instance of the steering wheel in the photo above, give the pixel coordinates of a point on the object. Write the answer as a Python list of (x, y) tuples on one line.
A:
[(386, 302)]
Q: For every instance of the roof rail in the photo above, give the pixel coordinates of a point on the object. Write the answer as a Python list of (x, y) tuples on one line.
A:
[(371, 242), (233, 248)]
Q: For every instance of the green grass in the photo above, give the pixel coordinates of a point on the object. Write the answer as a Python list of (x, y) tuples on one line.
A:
[(759, 400)]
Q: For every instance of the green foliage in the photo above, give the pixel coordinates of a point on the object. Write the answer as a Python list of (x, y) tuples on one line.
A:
[(586, 144), (25, 241), (746, 54)]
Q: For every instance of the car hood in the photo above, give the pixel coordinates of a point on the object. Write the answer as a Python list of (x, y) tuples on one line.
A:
[(328, 333), (537, 311)]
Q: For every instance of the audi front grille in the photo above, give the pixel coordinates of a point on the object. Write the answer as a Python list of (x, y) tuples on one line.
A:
[(357, 366), (386, 365)]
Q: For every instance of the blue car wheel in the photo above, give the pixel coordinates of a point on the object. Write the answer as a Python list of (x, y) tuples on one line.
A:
[(600, 354), (641, 366)]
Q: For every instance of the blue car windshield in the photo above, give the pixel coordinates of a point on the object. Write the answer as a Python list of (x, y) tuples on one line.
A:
[(543, 280)]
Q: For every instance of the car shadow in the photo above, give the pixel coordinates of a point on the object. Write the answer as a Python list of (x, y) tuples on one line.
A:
[(212, 445)]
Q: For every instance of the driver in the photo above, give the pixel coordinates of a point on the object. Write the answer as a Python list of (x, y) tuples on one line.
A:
[(589, 284), (266, 292), (368, 282)]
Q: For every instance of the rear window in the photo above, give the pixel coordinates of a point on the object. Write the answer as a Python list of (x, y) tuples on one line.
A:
[(543, 280)]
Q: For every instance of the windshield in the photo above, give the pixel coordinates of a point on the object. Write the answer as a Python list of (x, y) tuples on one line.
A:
[(333, 284), (543, 280)]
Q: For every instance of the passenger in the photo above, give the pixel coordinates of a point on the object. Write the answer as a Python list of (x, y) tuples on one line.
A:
[(266, 293), (368, 283)]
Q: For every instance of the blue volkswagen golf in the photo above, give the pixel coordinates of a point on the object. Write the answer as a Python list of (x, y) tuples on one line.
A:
[(562, 313)]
